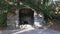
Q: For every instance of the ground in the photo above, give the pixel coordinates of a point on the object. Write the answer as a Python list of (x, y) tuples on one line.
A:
[(29, 30), (37, 31)]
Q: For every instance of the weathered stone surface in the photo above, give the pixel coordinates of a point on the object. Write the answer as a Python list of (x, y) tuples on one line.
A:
[(14, 20)]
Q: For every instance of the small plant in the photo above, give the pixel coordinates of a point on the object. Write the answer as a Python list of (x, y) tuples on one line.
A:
[(3, 19)]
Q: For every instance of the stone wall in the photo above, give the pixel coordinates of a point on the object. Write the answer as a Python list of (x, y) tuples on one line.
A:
[(14, 20), (38, 19)]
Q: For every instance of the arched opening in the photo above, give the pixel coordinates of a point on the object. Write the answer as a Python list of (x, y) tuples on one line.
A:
[(26, 16)]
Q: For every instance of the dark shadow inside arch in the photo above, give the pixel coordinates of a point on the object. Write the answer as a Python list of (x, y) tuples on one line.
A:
[(26, 16)]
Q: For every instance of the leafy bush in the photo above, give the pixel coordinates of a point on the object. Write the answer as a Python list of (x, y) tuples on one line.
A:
[(3, 18)]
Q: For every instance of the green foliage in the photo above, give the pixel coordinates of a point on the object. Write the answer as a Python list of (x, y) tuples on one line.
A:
[(35, 4), (47, 10), (3, 19), (6, 6)]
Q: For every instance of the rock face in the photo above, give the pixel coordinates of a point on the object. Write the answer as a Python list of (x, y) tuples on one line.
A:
[(15, 20)]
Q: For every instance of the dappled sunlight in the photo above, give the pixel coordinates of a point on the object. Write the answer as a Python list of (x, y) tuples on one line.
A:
[(29, 16), (22, 31), (37, 24), (25, 28)]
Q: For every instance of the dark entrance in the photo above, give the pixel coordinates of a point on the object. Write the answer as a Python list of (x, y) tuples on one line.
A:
[(26, 16)]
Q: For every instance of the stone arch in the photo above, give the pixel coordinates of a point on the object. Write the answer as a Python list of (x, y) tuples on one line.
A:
[(16, 18)]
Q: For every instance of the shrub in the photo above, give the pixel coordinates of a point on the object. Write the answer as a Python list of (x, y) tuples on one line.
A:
[(3, 18)]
